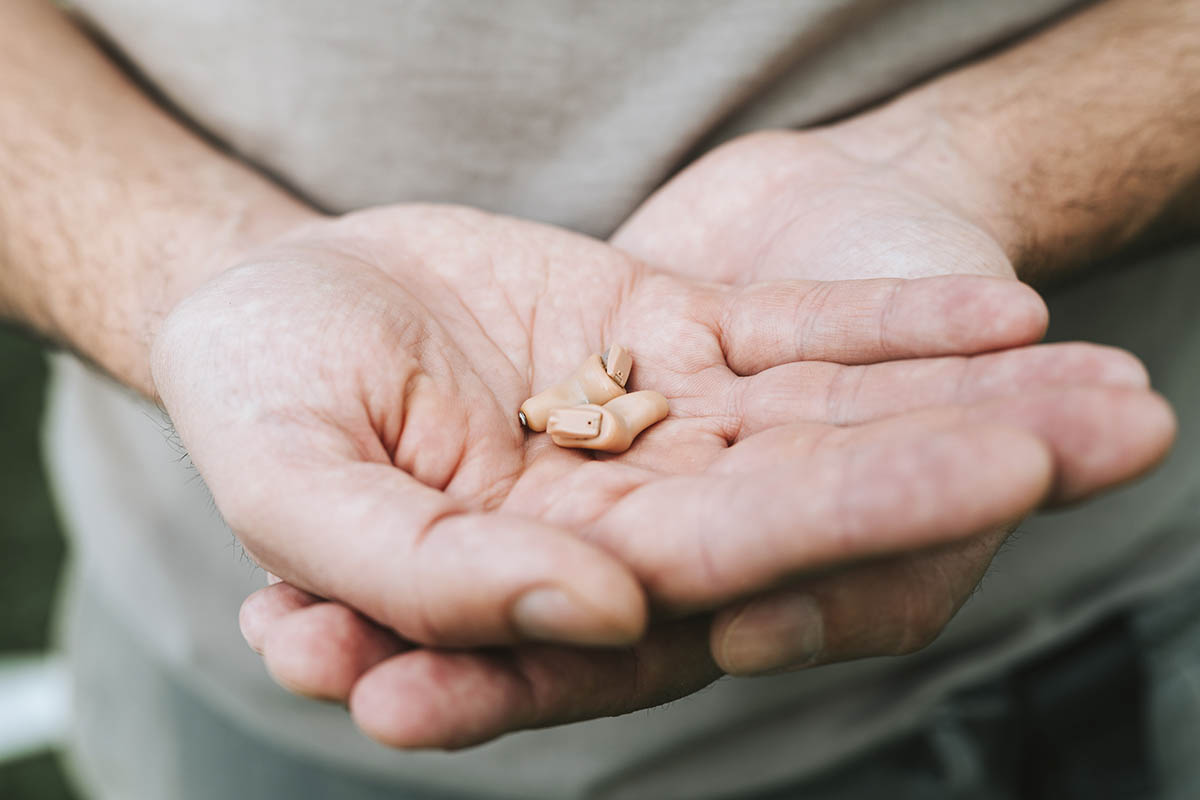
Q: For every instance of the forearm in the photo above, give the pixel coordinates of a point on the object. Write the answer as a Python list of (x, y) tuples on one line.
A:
[(110, 210), (1081, 140)]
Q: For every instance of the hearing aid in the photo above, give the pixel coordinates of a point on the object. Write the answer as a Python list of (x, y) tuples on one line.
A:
[(598, 380), (611, 427)]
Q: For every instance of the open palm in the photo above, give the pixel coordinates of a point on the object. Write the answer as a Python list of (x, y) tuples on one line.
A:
[(833, 204), (350, 396)]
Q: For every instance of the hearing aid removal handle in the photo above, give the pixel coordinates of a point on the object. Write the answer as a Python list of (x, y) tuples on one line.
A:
[(620, 421), (590, 383)]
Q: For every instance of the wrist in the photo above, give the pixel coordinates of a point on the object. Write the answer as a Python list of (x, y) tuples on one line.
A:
[(912, 142), (166, 256), (220, 242), (1063, 157), (110, 209), (197, 257), (1036, 191)]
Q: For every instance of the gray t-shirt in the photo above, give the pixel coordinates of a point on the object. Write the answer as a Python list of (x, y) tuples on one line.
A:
[(571, 113)]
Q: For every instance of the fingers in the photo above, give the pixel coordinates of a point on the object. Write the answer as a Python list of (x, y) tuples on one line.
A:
[(321, 650), (262, 609), (416, 699), (758, 517), (864, 321), (841, 395), (890, 607), (405, 555), (1100, 436), (310, 646)]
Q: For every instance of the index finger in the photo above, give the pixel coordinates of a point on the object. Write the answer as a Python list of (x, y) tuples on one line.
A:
[(865, 321)]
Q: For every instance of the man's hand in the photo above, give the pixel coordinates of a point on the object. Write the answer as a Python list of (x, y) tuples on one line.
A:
[(349, 394), (992, 185), (1031, 162), (360, 435), (890, 193), (828, 205), (410, 697)]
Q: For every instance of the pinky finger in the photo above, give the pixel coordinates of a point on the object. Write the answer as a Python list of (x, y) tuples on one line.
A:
[(312, 646), (322, 650), (261, 610)]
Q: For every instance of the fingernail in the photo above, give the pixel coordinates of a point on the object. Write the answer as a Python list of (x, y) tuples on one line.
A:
[(785, 630), (549, 614)]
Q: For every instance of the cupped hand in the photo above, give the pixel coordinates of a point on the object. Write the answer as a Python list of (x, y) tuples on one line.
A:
[(349, 394), (773, 462), (860, 200)]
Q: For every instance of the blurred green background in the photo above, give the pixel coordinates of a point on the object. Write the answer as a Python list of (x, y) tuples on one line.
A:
[(31, 545)]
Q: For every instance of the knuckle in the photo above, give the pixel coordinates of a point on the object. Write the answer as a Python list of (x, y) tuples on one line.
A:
[(414, 608), (886, 319), (807, 329)]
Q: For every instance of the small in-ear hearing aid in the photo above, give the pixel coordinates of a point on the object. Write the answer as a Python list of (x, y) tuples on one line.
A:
[(611, 427), (597, 380)]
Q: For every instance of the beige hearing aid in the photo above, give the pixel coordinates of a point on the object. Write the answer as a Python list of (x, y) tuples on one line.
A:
[(611, 427), (598, 380)]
